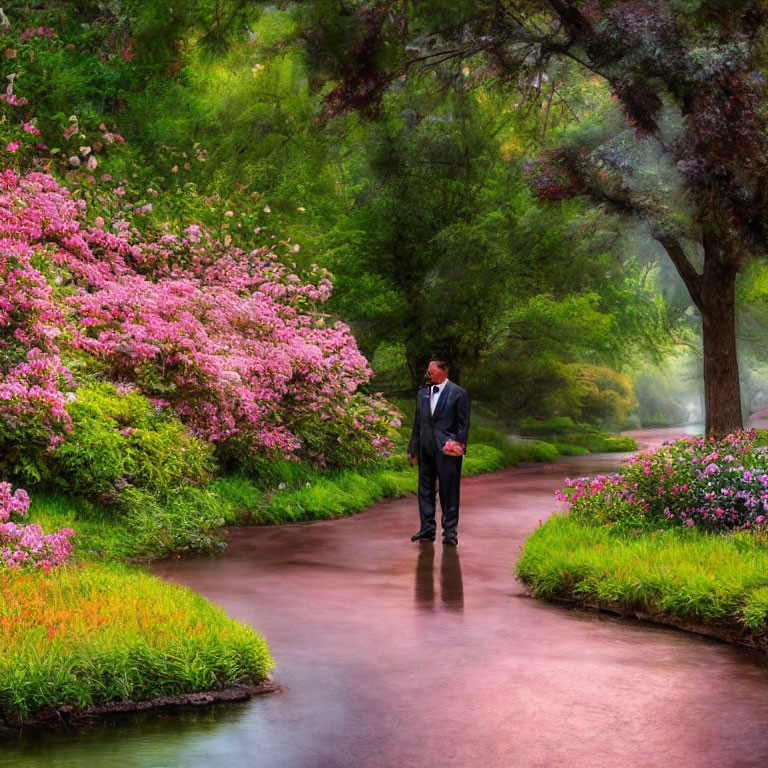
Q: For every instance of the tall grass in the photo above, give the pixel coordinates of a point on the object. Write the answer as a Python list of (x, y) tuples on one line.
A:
[(679, 573), (88, 636)]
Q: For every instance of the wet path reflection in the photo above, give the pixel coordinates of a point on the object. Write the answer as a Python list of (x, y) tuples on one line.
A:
[(419, 656), (451, 585)]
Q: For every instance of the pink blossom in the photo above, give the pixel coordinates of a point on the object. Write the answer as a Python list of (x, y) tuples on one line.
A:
[(233, 341)]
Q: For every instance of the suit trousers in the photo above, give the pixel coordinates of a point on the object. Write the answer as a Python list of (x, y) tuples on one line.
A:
[(437, 469)]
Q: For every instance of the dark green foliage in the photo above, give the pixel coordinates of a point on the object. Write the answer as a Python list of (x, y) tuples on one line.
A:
[(437, 245), (563, 429), (445, 254), (336, 442), (687, 85), (129, 467), (265, 472)]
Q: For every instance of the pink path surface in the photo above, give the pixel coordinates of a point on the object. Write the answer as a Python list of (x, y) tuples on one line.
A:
[(400, 654)]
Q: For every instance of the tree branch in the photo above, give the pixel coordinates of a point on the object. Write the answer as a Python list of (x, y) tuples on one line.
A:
[(685, 269)]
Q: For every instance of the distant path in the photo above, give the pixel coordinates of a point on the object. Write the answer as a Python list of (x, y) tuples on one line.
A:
[(395, 654)]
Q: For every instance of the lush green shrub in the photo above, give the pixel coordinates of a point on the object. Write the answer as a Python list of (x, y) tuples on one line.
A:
[(563, 429), (571, 450), (397, 462), (513, 449), (241, 498), (121, 439), (266, 472), (482, 458), (612, 444), (535, 450), (189, 520), (342, 442), (88, 636), (554, 426)]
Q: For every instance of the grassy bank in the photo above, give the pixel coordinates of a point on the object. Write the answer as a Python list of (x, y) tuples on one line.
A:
[(683, 575), (88, 636), (280, 492)]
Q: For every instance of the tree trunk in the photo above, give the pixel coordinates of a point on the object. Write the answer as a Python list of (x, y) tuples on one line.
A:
[(717, 306)]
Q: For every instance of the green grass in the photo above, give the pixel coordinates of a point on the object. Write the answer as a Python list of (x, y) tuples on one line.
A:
[(190, 522), (513, 449), (566, 449), (108, 632), (337, 493), (677, 573), (100, 533)]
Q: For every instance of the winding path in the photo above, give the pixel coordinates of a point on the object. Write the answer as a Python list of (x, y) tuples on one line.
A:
[(398, 654)]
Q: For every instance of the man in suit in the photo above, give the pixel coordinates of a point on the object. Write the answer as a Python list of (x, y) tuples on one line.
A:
[(438, 442)]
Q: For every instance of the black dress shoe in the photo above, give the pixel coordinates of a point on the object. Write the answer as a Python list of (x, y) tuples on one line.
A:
[(423, 536), (452, 540)]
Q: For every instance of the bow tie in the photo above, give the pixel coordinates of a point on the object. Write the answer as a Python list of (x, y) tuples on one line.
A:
[(435, 389)]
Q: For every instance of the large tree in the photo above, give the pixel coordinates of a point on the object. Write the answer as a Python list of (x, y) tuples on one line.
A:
[(688, 157)]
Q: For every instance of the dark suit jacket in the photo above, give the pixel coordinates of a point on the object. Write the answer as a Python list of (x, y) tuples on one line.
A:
[(449, 422)]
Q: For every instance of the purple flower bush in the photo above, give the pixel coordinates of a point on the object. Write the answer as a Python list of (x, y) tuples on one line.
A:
[(713, 485), (27, 545)]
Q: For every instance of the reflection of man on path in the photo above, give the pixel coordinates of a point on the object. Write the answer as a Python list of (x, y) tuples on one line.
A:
[(451, 583), (438, 442)]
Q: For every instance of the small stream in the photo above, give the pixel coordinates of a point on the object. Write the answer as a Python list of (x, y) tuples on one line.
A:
[(398, 654)]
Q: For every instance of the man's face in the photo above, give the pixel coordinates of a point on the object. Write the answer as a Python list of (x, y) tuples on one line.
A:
[(436, 376)]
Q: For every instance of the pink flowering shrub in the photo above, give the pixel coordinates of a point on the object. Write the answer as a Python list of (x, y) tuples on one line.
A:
[(27, 545), (711, 484), (235, 342)]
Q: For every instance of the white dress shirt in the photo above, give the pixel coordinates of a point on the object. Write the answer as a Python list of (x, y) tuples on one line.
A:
[(434, 395)]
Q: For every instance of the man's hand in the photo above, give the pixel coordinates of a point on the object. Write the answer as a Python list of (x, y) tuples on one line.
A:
[(412, 460)]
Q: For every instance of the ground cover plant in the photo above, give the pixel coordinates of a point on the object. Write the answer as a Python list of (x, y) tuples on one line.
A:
[(678, 534), (87, 636)]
